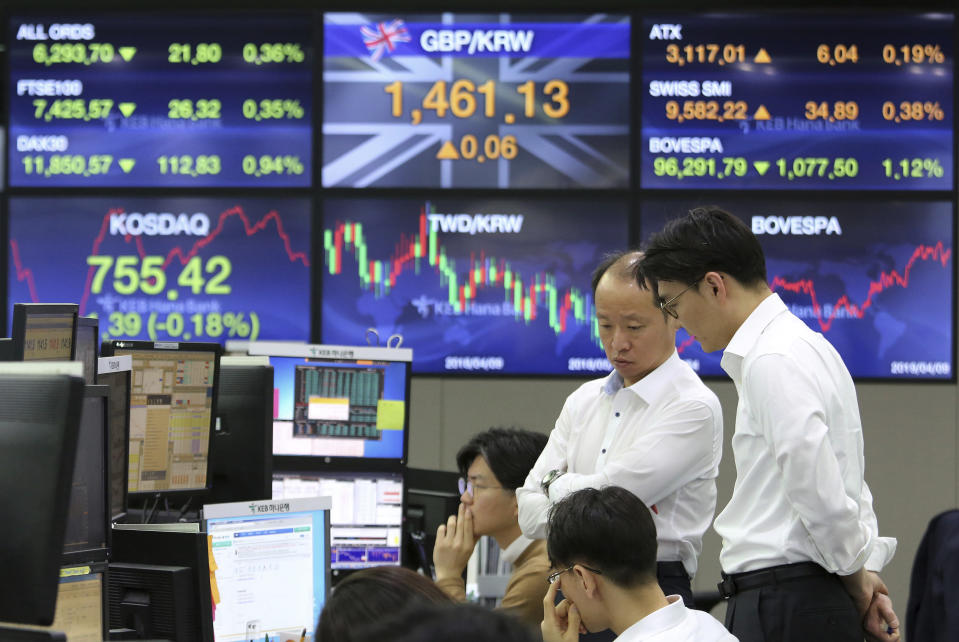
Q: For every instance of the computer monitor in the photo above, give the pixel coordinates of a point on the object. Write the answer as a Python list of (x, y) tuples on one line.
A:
[(342, 403), (172, 405), (366, 522), (431, 497), (87, 346), (40, 424), (88, 518), (145, 566), (81, 613), (114, 372), (44, 331), (241, 461), (272, 567)]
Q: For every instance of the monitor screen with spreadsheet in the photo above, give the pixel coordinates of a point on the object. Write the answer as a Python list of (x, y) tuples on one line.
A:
[(270, 568), (171, 413)]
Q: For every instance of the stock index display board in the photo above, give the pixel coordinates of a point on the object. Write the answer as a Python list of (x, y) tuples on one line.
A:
[(798, 101), (456, 100), (157, 100), (180, 269), (875, 277), (473, 285)]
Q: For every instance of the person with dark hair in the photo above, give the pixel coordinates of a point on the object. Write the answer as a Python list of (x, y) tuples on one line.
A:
[(650, 426), (367, 597), (801, 546), (459, 622), (493, 464), (602, 544)]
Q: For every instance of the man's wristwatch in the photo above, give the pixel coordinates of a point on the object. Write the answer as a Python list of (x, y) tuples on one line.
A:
[(549, 478)]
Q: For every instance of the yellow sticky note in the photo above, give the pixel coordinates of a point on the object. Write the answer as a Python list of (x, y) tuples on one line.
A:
[(389, 414)]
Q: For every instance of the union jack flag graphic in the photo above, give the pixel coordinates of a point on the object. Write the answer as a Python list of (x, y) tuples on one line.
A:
[(382, 37)]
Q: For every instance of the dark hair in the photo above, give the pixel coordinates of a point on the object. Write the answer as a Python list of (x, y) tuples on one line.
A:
[(609, 529), (624, 262), (509, 452), (368, 596), (462, 622), (707, 239)]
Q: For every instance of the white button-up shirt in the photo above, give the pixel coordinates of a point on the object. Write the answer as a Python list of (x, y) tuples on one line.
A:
[(676, 623), (660, 438), (800, 493)]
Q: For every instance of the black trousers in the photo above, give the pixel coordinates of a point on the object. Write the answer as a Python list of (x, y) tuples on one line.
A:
[(814, 607), (674, 581)]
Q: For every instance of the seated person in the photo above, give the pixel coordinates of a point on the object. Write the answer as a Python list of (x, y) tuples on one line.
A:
[(460, 622), (494, 464), (602, 544), (362, 600)]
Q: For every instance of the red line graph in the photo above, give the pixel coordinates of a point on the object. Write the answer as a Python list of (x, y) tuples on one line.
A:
[(937, 252), (886, 280), (249, 228), (23, 274)]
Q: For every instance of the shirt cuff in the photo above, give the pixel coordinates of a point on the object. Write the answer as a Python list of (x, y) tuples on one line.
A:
[(560, 487), (881, 554)]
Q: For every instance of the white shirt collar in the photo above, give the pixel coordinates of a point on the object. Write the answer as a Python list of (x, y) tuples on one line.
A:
[(650, 387), (512, 552), (662, 619), (748, 333)]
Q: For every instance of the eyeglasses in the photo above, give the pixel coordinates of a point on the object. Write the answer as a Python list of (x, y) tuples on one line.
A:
[(667, 306), (552, 577), (467, 486)]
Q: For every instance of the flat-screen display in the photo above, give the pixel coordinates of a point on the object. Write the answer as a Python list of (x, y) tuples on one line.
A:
[(367, 516), (88, 519), (160, 99), (171, 268), (473, 285), (811, 100), (269, 567), (343, 402), (875, 277), (476, 100), (171, 413)]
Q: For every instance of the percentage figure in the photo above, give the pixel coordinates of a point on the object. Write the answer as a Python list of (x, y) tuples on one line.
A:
[(912, 110), (913, 54)]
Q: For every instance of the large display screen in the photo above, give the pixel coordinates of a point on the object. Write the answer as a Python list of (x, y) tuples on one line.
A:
[(477, 100), (154, 99), (189, 269), (798, 101), (489, 286), (875, 277)]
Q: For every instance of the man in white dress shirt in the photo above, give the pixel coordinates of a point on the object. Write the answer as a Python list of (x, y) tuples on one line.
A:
[(651, 426), (602, 545), (801, 546)]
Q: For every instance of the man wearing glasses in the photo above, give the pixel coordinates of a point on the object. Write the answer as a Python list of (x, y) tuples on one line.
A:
[(602, 544), (651, 426), (800, 537), (493, 464)]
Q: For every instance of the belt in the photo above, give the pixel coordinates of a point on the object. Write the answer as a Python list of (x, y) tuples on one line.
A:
[(671, 569), (739, 582)]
